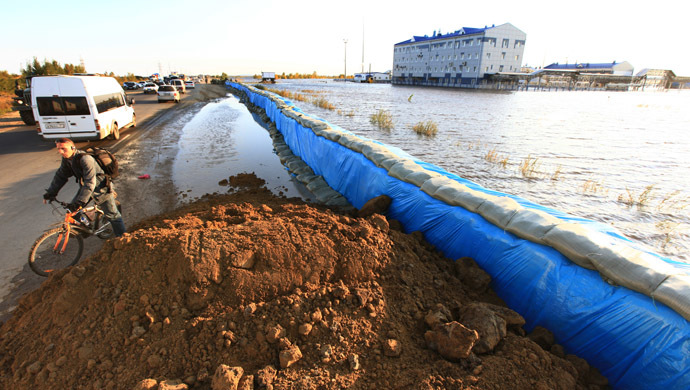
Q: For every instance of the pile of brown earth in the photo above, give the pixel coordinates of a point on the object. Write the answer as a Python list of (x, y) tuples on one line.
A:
[(248, 290)]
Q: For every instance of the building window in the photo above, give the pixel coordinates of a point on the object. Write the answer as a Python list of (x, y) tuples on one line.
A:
[(476, 56), (474, 69), (505, 43), (462, 56), (500, 68), (488, 55), (503, 55), (517, 57)]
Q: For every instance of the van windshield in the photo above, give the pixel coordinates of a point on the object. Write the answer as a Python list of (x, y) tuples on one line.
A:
[(62, 105)]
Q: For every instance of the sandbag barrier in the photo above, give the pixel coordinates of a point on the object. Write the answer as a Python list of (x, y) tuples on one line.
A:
[(300, 170), (598, 292)]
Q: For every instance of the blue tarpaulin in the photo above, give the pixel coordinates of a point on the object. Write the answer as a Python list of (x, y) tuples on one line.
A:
[(635, 342)]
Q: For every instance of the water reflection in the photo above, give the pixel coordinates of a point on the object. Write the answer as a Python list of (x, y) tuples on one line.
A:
[(222, 140)]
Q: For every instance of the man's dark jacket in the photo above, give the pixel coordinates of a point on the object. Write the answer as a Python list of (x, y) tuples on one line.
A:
[(85, 169)]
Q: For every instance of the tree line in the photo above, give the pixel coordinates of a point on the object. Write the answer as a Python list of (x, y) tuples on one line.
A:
[(9, 81), (298, 75)]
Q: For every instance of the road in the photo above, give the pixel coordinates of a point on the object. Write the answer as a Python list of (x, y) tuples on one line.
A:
[(28, 163)]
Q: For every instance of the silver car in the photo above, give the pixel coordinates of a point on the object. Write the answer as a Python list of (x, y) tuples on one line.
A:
[(168, 93), (150, 88)]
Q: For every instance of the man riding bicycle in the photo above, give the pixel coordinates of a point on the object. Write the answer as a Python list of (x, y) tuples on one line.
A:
[(92, 183)]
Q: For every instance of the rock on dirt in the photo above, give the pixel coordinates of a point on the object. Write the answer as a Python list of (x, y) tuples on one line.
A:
[(328, 301)]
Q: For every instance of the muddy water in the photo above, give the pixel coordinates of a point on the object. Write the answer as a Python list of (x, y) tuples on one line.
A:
[(619, 158), (222, 140)]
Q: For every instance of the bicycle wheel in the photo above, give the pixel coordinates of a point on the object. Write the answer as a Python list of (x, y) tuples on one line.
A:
[(105, 231), (43, 259)]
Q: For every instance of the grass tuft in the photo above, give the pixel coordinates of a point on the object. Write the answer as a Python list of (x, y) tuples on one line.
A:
[(631, 199), (529, 166), (382, 119), (428, 128), (323, 103), (492, 156)]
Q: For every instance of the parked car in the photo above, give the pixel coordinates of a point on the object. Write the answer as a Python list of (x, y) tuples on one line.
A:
[(179, 84), (168, 93), (130, 85), (141, 84), (150, 88), (189, 84)]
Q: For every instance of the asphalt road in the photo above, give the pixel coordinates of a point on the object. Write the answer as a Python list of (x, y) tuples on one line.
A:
[(27, 165)]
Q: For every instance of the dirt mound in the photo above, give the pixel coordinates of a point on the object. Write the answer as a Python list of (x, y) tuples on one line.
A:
[(263, 292)]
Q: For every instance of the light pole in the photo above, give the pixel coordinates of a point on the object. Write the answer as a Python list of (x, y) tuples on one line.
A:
[(345, 40)]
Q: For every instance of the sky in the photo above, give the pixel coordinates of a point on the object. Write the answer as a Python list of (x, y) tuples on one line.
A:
[(241, 37)]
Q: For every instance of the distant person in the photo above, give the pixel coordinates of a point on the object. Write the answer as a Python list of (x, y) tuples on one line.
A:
[(92, 183)]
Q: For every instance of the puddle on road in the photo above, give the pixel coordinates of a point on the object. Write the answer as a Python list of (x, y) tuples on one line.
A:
[(222, 140)]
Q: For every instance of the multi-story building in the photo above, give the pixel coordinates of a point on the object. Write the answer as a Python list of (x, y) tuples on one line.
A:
[(464, 58)]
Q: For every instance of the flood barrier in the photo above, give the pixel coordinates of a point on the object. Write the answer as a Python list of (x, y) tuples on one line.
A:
[(605, 298)]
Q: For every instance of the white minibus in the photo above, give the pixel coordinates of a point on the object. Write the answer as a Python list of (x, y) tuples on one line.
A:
[(80, 107)]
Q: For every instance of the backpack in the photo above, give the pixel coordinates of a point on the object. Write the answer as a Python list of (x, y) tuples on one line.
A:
[(105, 159)]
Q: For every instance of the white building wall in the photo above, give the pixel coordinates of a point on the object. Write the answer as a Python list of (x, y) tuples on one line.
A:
[(493, 50)]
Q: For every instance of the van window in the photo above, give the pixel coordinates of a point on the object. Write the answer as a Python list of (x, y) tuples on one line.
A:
[(70, 105), (76, 106), (108, 102)]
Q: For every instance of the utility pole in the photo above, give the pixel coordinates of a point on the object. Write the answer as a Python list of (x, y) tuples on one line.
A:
[(362, 47), (345, 40)]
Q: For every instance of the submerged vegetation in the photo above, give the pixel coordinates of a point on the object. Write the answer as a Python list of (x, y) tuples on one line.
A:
[(528, 167), (428, 128), (593, 187), (323, 103), (533, 168), (492, 156), (317, 101), (382, 119), (631, 199)]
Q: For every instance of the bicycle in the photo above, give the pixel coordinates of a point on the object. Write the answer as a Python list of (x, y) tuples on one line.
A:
[(62, 246)]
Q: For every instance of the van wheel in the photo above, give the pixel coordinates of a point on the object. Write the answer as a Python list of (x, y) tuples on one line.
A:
[(134, 120), (115, 133)]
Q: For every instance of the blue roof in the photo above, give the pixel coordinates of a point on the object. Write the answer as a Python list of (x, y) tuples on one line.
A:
[(587, 65), (461, 32)]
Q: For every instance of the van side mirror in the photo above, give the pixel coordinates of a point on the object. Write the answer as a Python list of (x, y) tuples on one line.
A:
[(131, 101)]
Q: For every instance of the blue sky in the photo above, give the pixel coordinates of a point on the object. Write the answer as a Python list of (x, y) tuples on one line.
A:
[(247, 37)]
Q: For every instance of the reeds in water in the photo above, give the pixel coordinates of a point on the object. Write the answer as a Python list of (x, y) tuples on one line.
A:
[(323, 103), (382, 119), (528, 167), (428, 128)]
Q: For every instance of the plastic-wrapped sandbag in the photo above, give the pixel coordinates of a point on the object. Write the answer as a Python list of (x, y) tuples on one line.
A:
[(636, 341)]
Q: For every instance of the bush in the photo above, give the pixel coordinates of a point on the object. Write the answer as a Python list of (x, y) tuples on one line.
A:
[(5, 103)]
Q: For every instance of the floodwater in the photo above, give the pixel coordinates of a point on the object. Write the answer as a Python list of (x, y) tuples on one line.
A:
[(222, 140), (621, 158)]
